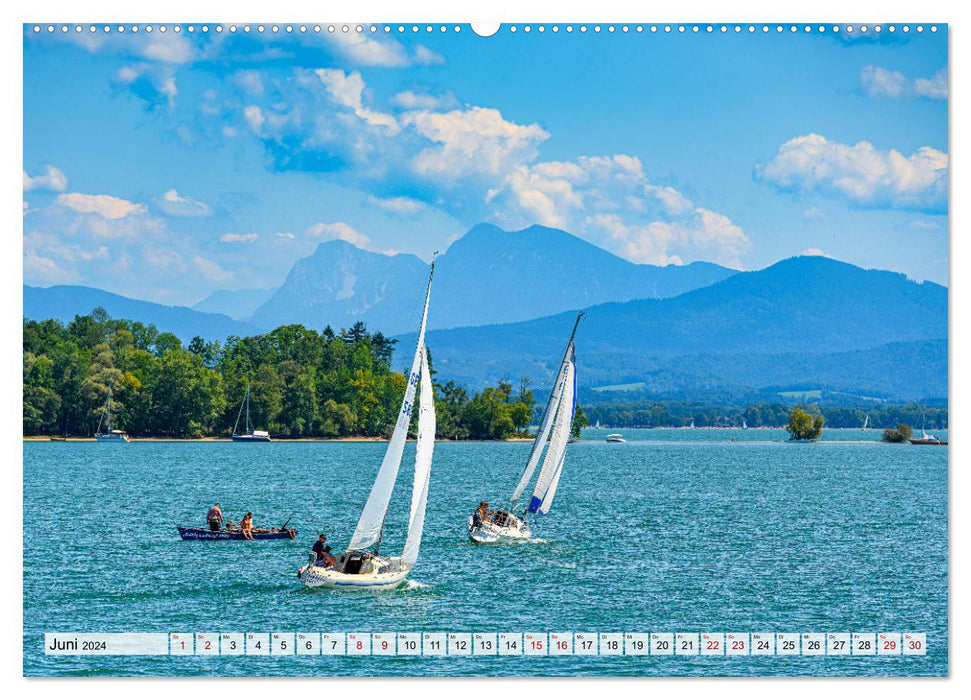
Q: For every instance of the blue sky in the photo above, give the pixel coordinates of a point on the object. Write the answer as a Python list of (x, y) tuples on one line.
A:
[(166, 166)]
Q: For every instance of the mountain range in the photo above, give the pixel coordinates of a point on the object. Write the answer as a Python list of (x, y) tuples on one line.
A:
[(487, 276), (235, 303), (64, 302), (805, 319), (503, 303)]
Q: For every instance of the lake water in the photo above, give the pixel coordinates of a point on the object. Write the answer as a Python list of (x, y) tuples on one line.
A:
[(675, 530)]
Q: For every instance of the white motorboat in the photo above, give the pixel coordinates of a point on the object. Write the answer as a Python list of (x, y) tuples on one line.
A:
[(507, 525), (615, 437), (109, 435), (362, 566)]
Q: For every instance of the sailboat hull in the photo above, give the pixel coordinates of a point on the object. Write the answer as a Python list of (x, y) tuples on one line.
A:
[(376, 574), (485, 532), (112, 437), (251, 438)]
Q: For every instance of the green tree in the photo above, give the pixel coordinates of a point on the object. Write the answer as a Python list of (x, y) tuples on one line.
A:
[(902, 433), (580, 421), (804, 426)]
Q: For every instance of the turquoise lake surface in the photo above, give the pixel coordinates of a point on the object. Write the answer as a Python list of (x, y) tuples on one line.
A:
[(676, 530)]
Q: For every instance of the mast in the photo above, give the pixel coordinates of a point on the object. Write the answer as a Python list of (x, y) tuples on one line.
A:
[(249, 425), (109, 409), (548, 414)]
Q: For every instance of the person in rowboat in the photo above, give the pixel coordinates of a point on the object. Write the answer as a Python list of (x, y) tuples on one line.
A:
[(246, 526), (215, 518)]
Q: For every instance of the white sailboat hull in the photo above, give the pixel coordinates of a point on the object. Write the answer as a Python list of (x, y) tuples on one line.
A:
[(376, 574), (485, 532), (113, 436)]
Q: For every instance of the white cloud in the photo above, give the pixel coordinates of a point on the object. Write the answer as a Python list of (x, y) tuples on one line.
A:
[(251, 81), (610, 201), (934, 87), (239, 237), (104, 205), (402, 206), (475, 140), (286, 236), (52, 180), (813, 213), (152, 82), (426, 57), (883, 82), (211, 269), (815, 252), (347, 89), (339, 231), (365, 50), (411, 100), (174, 204), (254, 117), (861, 174)]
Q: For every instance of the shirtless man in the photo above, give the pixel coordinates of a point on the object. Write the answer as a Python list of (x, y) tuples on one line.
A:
[(215, 518)]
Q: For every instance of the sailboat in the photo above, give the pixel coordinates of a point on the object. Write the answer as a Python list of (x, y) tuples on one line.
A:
[(362, 566), (250, 435), (505, 525), (109, 435), (925, 437), (866, 421), (744, 425)]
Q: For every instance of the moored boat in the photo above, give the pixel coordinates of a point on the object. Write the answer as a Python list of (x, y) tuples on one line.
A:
[(201, 533), (109, 435), (615, 437), (250, 435), (362, 566), (927, 439), (507, 525)]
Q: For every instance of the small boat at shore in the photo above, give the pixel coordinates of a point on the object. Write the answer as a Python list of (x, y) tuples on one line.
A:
[(250, 435), (615, 437), (927, 439), (110, 435), (504, 525), (201, 533)]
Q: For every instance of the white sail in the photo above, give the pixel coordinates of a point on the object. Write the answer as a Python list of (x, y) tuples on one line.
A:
[(423, 465), (371, 523), (541, 435), (549, 475)]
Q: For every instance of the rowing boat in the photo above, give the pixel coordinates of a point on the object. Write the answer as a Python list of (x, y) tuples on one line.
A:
[(201, 533)]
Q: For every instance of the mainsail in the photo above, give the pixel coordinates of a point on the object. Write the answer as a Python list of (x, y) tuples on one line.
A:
[(371, 523), (544, 429), (423, 465), (549, 474)]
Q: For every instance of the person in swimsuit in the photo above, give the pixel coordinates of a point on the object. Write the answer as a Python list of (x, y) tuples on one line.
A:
[(246, 526)]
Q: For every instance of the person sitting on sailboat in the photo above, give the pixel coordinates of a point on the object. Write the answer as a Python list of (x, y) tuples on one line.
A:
[(215, 518), (318, 548), (482, 513)]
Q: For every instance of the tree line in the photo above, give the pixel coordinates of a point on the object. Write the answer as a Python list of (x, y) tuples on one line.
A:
[(302, 383), (674, 414)]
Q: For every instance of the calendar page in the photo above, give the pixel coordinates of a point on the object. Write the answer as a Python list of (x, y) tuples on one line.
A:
[(519, 349)]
